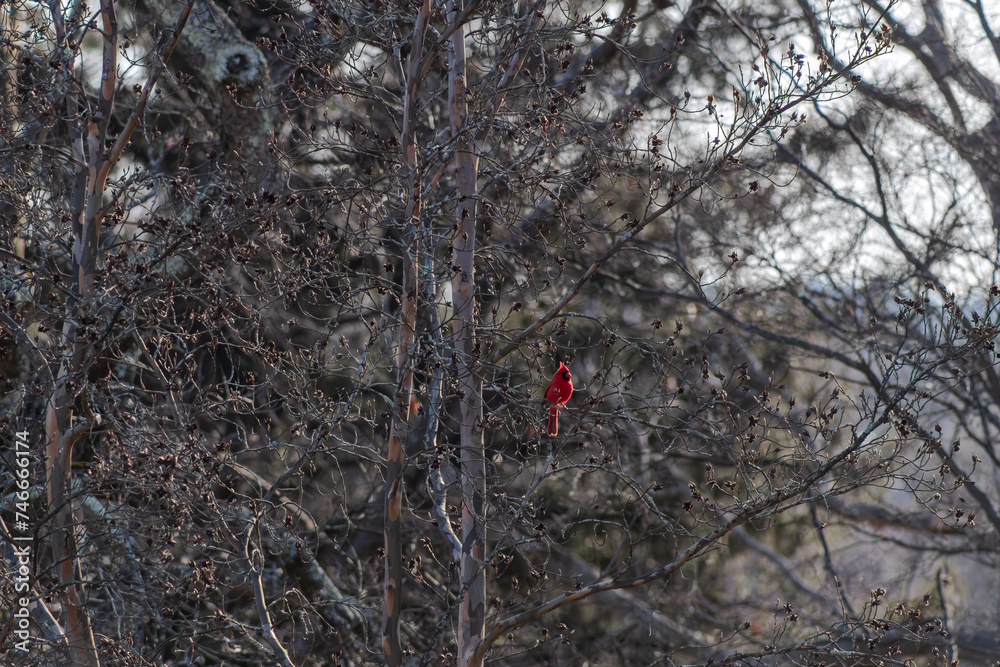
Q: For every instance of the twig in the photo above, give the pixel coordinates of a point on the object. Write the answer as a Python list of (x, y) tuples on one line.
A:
[(848, 609), (952, 646), (255, 560)]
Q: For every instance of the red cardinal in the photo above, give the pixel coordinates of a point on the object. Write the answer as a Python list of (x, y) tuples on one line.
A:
[(558, 393)]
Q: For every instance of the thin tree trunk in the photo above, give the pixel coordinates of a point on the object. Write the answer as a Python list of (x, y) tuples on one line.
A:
[(472, 609), (392, 602), (89, 211), (60, 432)]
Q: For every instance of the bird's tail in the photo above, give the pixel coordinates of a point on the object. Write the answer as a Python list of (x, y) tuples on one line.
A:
[(553, 428)]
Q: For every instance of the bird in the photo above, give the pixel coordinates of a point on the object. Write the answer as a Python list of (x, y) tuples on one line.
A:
[(558, 393)]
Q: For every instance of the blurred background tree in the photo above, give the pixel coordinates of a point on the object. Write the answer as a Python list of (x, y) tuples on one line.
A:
[(284, 283)]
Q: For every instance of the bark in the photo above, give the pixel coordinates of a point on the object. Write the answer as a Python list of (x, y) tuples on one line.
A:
[(61, 429), (60, 432), (472, 574), (391, 644), (235, 74)]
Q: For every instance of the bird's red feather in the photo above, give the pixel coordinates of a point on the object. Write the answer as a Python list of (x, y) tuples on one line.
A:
[(558, 393)]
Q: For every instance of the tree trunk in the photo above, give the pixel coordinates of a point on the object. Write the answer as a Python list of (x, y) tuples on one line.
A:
[(391, 644), (472, 609)]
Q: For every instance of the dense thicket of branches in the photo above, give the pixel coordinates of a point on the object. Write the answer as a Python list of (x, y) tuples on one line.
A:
[(283, 284)]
